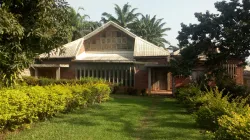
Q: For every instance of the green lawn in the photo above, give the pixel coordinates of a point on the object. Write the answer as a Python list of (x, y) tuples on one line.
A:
[(121, 118)]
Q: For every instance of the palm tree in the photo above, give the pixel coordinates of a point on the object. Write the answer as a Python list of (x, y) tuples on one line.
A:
[(80, 26), (125, 16), (151, 29)]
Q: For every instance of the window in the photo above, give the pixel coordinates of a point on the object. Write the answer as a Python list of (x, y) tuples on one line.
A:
[(121, 74), (124, 40), (103, 34), (93, 41), (103, 40), (118, 34), (114, 34)]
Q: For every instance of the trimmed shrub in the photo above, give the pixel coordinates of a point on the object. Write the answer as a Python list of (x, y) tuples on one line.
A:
[(214, 106), (144, 92), (24, 105), (132, 91), (190, 96), (32, 81), (235, 126)]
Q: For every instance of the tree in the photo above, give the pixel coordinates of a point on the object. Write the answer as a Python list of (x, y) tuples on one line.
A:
[(173, 48), (151, 29), (27, 29), (125, 15), (77, 22), (80, 26), (220, 36)]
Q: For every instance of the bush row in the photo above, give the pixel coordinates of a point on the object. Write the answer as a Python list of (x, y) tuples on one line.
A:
[(32, 81), (217, 112), (23, 105)]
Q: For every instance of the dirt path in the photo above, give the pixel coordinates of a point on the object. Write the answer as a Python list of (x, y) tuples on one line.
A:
[(144, 124)]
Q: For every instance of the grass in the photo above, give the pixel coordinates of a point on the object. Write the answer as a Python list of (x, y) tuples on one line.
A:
[(121, 118)]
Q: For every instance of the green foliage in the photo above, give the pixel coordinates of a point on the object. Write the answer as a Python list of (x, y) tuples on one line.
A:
[(80, 26), (144, 92), (123, 114), (235, 126), (214, 106), (190, 96), (151, 29), (29, 28), (227, 31), (125, 15), (228, 85), (23, 105), (32, 81), (132, 91), (218, 112)]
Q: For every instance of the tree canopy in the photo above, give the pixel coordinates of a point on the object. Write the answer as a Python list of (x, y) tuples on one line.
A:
[(151, 29), (81, 26), (220, 36), (125, 16), (29, 28)]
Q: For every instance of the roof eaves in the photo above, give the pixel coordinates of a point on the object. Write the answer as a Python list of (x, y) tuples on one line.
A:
[(78, 47)]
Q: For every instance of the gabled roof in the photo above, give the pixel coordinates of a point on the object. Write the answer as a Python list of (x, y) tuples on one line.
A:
[(107, 25), (70, 50), (145, 48), (142, 48)]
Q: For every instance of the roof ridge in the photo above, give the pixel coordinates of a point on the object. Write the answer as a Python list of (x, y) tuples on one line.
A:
[(99, 29)]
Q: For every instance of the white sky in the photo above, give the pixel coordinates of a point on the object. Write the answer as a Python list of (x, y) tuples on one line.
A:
[(174, 12)]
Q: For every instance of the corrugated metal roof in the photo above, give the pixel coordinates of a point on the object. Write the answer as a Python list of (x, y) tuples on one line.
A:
[(145, 48), (69, 50), (141, 48), (107, 25), (107, 56)]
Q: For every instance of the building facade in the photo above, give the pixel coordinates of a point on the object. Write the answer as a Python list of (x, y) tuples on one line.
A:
[(112, 53)]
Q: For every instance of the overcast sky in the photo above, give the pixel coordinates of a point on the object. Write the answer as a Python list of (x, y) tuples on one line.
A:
[(174, 12)]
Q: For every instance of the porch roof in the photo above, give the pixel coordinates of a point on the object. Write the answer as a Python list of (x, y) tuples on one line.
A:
[(50, 65), (106, 56), (153, 64), (69, 50)]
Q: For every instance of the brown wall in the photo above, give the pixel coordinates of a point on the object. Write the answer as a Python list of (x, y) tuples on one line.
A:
[(141, 78), (47, 72), (156, 59), (141, 73), (82, 49), (67, 73), (239, 75)]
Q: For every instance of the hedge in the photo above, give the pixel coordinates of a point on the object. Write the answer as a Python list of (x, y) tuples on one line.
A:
[(23, 105), (228, 118), (32, 81)]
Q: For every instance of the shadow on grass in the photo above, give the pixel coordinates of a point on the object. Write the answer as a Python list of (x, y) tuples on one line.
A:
[(139, 117)]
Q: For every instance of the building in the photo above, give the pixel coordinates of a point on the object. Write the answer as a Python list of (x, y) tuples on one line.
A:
[(112, 53), (119, 56)]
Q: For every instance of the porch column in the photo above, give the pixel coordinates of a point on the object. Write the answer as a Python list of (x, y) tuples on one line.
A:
[(149, 80), (75, 73), (36, 72), (58, 73), (169, 80), (80, 74)]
